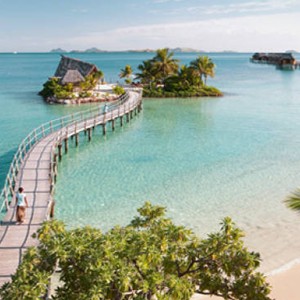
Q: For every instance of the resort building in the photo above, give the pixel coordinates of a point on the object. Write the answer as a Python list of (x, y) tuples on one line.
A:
[(281, 60), (71, 70)]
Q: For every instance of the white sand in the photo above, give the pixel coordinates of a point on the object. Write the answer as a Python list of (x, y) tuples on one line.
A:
[(284, 282)]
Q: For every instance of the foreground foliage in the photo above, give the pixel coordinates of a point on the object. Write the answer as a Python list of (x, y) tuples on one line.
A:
[(293, 201), (151, 258)]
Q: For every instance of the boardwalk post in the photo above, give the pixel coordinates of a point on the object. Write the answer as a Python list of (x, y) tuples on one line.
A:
[(127, 117), (95, 117), (113, 124), (10, 186), (104, 128), (89, 134), (66, 145), (54, 170), (35, 136), (14, 180), (76, 135), (52, 188), (59, 151), (121, 121), (66, 141), (6, 200), (76, 139), (52, 205)]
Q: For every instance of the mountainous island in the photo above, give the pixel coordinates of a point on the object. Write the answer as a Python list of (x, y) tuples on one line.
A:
[(96, 50)]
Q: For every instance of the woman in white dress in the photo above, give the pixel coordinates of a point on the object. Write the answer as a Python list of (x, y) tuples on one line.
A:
[(21, 205)]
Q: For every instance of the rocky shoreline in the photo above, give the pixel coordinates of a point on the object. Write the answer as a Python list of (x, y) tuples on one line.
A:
[(54, 100)]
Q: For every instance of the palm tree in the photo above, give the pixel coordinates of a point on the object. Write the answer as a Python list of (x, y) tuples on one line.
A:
[(204, 67), (126, 73), (96, 77), (148, 73), (293, 201), (164, 63)]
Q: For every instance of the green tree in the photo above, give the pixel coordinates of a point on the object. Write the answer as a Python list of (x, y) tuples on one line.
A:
[(118, 90), (147, 73), (164, 64), (126, 73), (150, 258), (53, 88), (204, 67)]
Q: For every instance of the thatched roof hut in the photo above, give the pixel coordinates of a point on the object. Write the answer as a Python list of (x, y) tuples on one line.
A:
[(71, 70)]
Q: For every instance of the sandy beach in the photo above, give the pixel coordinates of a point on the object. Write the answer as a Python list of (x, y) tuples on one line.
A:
[(285, 284)]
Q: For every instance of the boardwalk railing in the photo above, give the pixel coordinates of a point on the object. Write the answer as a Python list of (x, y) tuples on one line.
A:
[(61, 128)]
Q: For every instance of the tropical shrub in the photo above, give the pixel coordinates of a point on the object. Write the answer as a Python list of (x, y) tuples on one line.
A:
[(151, 258), (53, 88), (85, 94), (118, 90)]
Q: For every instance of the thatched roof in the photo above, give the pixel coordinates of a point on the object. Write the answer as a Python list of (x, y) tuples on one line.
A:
[(71, 64), (72, 76), (274, 58)]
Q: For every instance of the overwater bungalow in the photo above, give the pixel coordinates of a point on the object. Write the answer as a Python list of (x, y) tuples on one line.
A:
[(281, 60)]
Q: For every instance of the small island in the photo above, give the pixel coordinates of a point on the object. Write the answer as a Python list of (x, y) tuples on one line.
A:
[(162, 77), (76, 81)]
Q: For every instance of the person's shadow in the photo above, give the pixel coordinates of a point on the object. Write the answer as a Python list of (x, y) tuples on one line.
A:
[(7, 223)]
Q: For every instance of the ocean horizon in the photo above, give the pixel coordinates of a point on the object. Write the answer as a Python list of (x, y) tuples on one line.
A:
[(202, 158)]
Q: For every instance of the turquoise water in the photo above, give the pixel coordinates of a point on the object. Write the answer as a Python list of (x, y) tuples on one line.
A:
[(202, 158)]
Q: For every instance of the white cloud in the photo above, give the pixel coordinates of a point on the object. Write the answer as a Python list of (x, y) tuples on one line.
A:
[(165, 1), (250, 7), (80, 10), (252, 33)]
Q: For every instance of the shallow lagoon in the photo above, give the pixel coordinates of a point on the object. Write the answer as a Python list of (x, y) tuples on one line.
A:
[(202, 158)]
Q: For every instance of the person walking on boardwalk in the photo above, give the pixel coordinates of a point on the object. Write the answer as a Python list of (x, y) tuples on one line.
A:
[(105, 108), (21, 205)]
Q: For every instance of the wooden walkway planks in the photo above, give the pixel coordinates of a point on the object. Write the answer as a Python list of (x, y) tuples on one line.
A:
[(35, 176)]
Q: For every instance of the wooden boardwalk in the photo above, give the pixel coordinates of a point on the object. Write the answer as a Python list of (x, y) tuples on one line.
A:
[(36, 169)]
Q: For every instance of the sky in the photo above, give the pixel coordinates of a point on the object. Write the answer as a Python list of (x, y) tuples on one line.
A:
[(209, 25)]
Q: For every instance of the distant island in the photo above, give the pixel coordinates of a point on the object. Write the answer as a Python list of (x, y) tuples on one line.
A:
[(96, 50), (90, 50), (292, 51)]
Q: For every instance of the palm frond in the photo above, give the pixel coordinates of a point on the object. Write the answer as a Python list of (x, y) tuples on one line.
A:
[(293, 201)]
